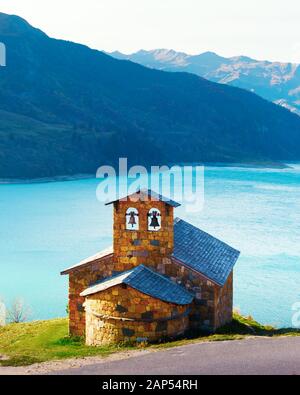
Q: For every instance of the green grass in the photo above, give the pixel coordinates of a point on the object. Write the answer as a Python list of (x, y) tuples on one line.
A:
[(40, 341), (240, 328)]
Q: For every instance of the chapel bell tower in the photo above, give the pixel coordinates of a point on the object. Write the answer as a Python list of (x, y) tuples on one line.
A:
[(143, 230)]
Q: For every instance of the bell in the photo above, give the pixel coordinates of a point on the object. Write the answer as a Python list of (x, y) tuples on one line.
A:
[(132, 220), (154, 220)]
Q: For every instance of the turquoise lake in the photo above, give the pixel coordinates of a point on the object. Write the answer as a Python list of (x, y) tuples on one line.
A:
[(47, 227)]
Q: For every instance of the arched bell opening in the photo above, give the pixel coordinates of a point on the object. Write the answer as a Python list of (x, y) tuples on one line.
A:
[(154, 220), (132, 219)]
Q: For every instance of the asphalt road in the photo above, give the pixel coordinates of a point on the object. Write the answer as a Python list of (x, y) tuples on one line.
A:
[(262, 356)]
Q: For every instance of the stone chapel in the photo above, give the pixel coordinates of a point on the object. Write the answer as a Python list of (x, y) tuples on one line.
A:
[(162, 277)]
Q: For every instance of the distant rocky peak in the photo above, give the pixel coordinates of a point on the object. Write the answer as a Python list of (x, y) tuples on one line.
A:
[(275, 81)]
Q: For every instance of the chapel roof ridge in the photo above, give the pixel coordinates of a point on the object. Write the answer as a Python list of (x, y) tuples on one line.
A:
[(146, 193)]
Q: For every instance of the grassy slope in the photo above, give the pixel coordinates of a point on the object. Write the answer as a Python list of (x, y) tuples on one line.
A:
[(25, 344)]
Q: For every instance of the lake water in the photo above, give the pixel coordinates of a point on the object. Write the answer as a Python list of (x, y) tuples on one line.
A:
[(47, 227)]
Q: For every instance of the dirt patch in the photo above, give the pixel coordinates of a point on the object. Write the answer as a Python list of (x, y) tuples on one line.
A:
[(54, 366)]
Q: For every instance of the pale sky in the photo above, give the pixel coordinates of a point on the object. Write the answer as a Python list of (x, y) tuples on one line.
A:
[(263, 29)]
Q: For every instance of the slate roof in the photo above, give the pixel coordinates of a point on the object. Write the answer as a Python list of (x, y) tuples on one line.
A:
[(194, 248), (149, 193), (148, 282), (203, 252), (102, 254)]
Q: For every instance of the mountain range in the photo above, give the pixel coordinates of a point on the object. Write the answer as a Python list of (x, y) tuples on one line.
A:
[(275, 81), (67, 109)]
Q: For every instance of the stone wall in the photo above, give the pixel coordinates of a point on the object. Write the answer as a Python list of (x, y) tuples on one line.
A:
[(213, 304), (202, 315), (133, 248), (224, 303), (148, 317), (79, 280), (211, 308)]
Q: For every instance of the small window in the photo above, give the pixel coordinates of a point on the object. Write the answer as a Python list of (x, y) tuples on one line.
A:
[(132, 219), (154, 220)]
